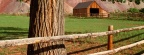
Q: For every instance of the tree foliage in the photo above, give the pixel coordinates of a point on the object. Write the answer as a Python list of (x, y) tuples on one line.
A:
[(130, 0), (133, 10), (137, 2), (20, 0), (123, 1), (142, 10), (142, 0)]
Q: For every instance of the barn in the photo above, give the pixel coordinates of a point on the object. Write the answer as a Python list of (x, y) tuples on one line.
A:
[(88, 9)]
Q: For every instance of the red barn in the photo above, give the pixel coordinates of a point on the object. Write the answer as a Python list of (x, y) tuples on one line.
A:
[(90, 8)]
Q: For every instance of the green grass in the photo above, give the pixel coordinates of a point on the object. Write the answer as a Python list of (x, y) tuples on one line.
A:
[(14, 21), (13, 27), (97, 25), (16, 27)]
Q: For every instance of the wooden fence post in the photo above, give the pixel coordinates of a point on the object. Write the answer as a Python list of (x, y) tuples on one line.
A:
[(110, 38)]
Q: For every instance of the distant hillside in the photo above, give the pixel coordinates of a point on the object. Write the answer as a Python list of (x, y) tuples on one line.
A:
[(108, 6), (15, 6)]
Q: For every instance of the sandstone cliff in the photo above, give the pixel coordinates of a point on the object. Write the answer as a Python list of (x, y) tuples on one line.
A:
[(15, 6)]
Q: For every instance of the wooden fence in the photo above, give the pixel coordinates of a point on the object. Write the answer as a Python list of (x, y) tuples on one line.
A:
[(98, 15), (118, 49), (134, 16), (16, 42), (127, 15)]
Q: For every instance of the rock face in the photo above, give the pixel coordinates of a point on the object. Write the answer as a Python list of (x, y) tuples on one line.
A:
[(108, 6), (13, 6), (17, 7)]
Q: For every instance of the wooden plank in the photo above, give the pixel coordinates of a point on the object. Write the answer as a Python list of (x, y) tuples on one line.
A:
[(110, 38), (118, 49), (16, 42)]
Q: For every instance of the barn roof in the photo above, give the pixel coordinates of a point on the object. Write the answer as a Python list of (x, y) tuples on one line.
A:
[(87, 4), (83, 5)]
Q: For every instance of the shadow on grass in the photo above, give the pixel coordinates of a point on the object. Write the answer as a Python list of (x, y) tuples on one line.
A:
[(104, 44), (73, 33), (12, 33), (140, 53), (11, 28)]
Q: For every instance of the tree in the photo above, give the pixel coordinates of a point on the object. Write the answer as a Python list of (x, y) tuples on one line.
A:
[(137, 2), (46, 20), (142, 10), (123, 1), (133, 10)]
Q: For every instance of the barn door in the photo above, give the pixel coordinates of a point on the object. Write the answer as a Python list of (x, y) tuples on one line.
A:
[(94, 11)]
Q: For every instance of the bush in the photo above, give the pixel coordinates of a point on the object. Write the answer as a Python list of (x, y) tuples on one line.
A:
[(133, 10), (142, 10), (137, 2)]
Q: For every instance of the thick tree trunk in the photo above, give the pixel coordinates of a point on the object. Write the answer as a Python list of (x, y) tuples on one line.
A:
[(46, 20)]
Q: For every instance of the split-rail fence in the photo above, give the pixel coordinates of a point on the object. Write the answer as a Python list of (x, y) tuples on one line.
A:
[(26, 41)]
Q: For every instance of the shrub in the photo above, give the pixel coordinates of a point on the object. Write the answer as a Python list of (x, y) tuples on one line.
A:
[(142, 10), (133, 10), (137, 2)]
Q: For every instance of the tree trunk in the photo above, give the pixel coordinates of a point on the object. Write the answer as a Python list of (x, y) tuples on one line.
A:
[(46, 20)]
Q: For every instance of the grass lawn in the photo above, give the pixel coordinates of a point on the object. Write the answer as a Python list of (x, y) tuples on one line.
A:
[(13, 27), (97, 25), (16, 27)]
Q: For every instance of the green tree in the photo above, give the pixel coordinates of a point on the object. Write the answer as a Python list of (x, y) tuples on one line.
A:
[(137, 1), (142, 10), (123, 1), (133, 10), (46, 20), (142, 0), (130, 0)]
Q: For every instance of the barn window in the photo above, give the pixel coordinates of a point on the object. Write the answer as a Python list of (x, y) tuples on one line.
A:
[(94, 11)]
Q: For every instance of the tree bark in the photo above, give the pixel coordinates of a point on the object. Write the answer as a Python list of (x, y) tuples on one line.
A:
[(46, 20)]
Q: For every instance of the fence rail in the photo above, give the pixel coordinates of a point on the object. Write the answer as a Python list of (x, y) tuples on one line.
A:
[(112, 15), (101, 15), (118, 49), (16, 42)]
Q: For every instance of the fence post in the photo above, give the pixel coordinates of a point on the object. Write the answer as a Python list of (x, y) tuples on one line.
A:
[(110, 38)]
